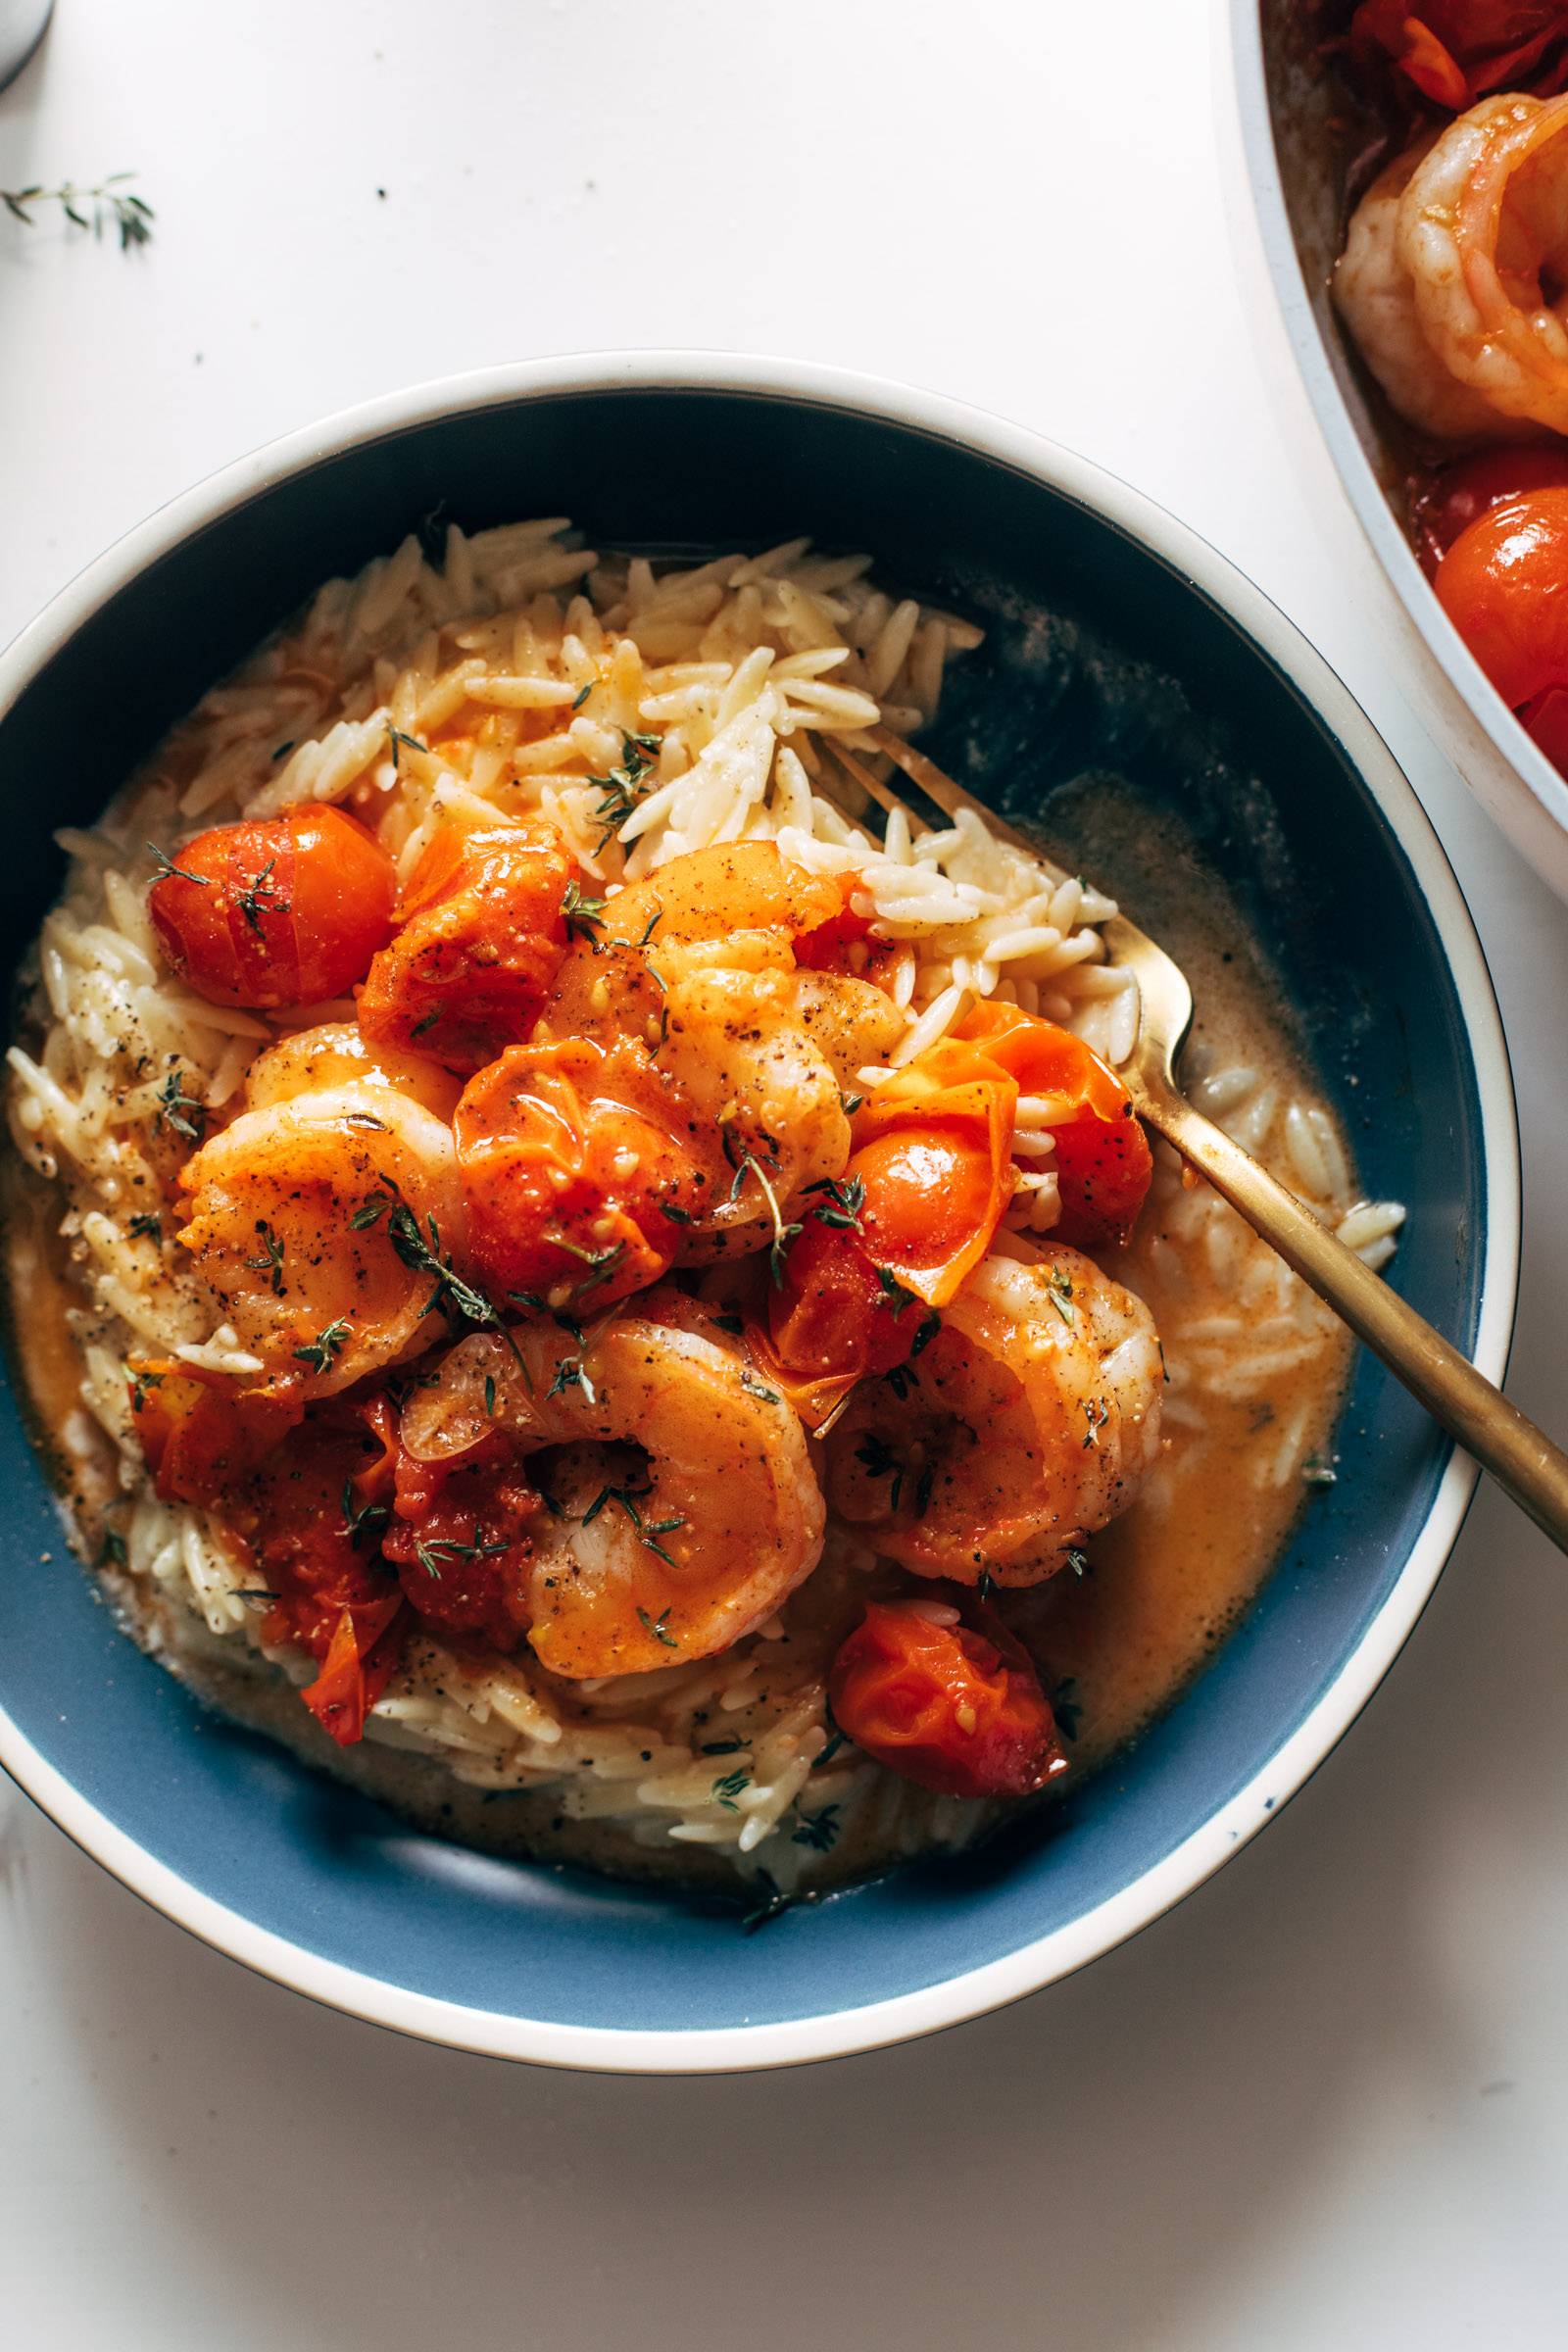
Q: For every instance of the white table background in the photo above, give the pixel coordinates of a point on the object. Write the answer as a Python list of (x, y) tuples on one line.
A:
[(1325, 2102)]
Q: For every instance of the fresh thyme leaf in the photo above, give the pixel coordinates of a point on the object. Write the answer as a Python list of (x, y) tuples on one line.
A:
[(283, 749), (818, 1831), (750, 1165), (728, 1788), (364, 1118), (901, 1380), (396, 739), (581, 696), (621, 788), (1059, 1286), (1097, 1413), (601, 1263), (730, 1323), (140, 1383), (429, 1021), (147, 1227), (113, 1551), (894, 1294), (648, 927), (930, 1325), (1078, 1561), (985, 1588), (132, 215), (362, 1519), (582, 917), (371, 1212), (446, 1548), (658, 1628), (257, 893), (721, 1747), (829, 1752), (163, 866), (759, 1388), (321, 1351), (271, 1262), (922, 1488), (489, 1395), (459, 1301), (180, 1111), (676, 1215), (845, 1198), (1315, 1472), (850, 1103)]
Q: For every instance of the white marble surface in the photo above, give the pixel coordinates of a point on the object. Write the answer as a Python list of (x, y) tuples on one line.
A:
[(1326, 2103)]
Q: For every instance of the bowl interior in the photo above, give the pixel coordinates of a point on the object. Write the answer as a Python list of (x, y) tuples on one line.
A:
[(1090, 633)]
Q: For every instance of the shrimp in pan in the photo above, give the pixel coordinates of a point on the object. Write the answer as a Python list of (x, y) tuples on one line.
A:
[(1452, 275), (1028, 1422), (682, 1507)]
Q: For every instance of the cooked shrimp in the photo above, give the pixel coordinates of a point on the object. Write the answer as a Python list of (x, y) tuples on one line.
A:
[(338, 1053), (752, 1055), (1453, 279), (280, 1232), (683, 1504), (1375, 293), (1030, 1421)]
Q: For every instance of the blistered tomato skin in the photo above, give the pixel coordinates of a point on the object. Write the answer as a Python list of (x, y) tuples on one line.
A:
[(282, 910), (483, 933), (1461, 493), (957, 1711), (1504, 585)]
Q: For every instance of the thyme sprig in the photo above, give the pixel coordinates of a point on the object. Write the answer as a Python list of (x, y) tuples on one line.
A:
[(89, 207), (844, 1203), (165, 869), (181, 1111), (746, 1164), (659, 1627), (583, 917), (648, 1529), (455, 1298), (271, 1261), (322, 1353), (257, 893), (363, 1518), (621, 788), (446, 1548)]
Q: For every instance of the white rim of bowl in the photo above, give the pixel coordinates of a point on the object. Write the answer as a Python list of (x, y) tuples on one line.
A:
[(1523, 758), (1065, 1949)]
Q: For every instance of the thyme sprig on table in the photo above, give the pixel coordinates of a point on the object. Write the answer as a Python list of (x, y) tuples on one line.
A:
[(89, 207)]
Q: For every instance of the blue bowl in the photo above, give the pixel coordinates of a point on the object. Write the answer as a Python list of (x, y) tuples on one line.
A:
[(1160, 661)]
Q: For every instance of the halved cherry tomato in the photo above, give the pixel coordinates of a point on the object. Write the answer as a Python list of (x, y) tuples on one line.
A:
[(956, 1710), (482, 937), (564, 1183), (462, 1539), (1454, 51), (311, 1518), (831, 1322), (1451, 499), (826, 946), (202, 1433), (278, 911), (1103, 1163), (1504, 583)]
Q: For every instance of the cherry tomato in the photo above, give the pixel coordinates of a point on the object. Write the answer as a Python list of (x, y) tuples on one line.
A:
[(833, 1320), (483, 932), (1504, 583), (1454, 51), (311, 1517), (827, 946), (1452, 498), (283, 911), (462, 1539), (1102, 1160), (200, 1433), (565, 1184), (959, 1711)]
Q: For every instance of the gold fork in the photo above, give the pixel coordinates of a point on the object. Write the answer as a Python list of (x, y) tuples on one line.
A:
[(1478, 1416)]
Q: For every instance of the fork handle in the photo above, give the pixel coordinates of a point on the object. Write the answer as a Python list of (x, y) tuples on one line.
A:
[(1524, 1461)]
